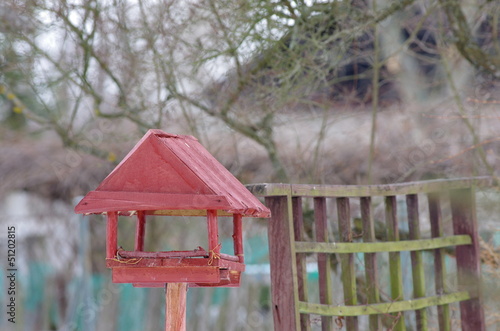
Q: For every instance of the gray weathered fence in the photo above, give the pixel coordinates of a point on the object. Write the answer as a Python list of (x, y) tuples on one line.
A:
[(288, 250)]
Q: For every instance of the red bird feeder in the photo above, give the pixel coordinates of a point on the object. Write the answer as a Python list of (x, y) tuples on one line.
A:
[(172, 175)]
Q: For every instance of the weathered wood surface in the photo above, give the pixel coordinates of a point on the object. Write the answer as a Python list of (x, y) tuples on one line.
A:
[(386, 246), (383, 308), (175, 308), (464, 239), (468, 258), (284, 294), (299, 235), (435, 217), (324, 265), (347, 261), (396, 275), (371, 273), (331, 191), (417, 264)]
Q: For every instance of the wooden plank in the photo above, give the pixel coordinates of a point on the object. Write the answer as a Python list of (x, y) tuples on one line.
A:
[(439, 262), (175, 306), (298, 230), (463, 208), (347, 261), (159, 275), (199, 252), (106, 201), (371, 273), (180, 262), (379, 247), (395, 271), (213, 237), (417, 264), (331, 191), (111, 235), (324, 262), (238, 237), (183, 212), (284, 293), (383, 308), (140, 231)]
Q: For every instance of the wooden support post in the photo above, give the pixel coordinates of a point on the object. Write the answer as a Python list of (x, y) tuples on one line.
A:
[(298, 230), (213, 233), (175, 306), (417, 264), (395, 271), (371, 273), (238, 237), (282, 259), (439, 261), (463, 209), (324, 261), (347, 261), (140, 231), (112, 235)]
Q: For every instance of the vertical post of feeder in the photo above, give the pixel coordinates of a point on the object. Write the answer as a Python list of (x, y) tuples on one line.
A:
[(112, 235), (140, 230), (237, 237), (175, 306), (213, 234)]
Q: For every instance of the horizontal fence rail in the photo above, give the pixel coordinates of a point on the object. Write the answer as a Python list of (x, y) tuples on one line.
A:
[(295, 236), (387, 246)]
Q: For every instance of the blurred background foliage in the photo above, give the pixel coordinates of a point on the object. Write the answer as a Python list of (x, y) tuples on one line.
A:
[(332, 92)]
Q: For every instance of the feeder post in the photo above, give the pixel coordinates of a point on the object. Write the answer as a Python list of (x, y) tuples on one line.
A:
[(140, 230), (175, 306), (112, 235), (213, 232), (237, 237)]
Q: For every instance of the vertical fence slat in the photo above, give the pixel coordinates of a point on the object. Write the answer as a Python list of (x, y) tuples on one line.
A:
[(324, 264), (347, 261), (439, 264), (417, 263), (371, 274), (298, 229), (284, 292), (394, 261), (463, 209)]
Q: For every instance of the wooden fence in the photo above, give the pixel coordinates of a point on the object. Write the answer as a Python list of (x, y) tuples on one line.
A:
[(289, 249)]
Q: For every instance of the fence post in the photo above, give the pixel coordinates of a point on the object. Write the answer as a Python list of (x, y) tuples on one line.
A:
[(463, 210), (282, 259)]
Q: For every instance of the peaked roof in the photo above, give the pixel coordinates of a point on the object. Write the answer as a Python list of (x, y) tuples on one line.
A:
[(171, 174)]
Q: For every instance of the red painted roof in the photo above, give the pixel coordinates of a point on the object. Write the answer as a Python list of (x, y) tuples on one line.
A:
[(171, 172)]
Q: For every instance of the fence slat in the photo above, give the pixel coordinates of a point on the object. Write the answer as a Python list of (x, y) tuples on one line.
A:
[(284, 292), (439, 266), (463, 209), (324, 264), (371, 274), (394, 260), (417, 264), (383, 308), (347, 260), (298, 229), (387, 246)]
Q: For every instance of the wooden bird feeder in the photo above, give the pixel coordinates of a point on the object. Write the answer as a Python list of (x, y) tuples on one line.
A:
[(172, 175), (166, 174)]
